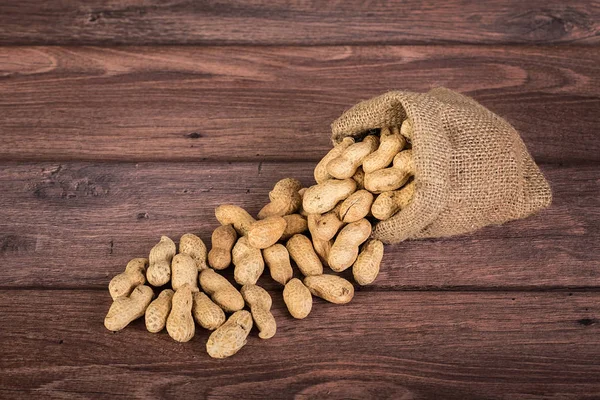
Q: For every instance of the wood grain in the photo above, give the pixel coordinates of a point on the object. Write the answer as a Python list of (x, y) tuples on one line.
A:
[(381, 345), (248, 103), (298, 22), (77, 225), (106, 148)]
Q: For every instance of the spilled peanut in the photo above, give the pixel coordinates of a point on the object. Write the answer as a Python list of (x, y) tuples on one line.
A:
[(294, 223), (284, 197), (297, 298), (180, 323), (331, 288), (194, 247), (228, 214), (134, 275), (230, 337), (223, 293), (158, 311), (159, 271), (366, 267), (277, 259), (327, 225), (302, 252), (260, 303), (248, 261), (266, 232), (345, 248), (126, 309), (183, 271), (223, 239), (319, 199), (206, 313), (322, 248), (356, 206)]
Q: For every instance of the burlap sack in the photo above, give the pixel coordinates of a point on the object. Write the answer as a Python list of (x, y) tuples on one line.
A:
[(471, 167)]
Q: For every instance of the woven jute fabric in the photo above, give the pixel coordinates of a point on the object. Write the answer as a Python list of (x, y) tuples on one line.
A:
[(472, 168)]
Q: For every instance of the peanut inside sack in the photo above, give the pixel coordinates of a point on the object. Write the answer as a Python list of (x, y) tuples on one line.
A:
[(471, 167)]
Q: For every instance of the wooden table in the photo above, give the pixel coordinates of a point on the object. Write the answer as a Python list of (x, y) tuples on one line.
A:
[(123, 120)]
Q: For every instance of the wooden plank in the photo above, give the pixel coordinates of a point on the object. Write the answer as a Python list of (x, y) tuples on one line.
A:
[(381, 345), (192, 103), (298, 22), (77, 224)]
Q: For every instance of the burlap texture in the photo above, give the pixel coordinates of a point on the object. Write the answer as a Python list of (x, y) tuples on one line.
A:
[(471, 167)]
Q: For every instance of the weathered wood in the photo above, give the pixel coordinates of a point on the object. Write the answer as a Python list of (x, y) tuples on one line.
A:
[(77, 224), (247, 103), (297, 22), (381, 345)]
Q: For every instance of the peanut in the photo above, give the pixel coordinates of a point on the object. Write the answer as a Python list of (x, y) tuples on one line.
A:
[(318, 231), (322, 248), (230, 337), (159, 271), (223, 239), (323, 197), (301, 208), (302, 252), (134, 275), (126, 309), (366, 267), (194, 247), (284, 199), (325, 226), (257, 296), (407, 129), (223, 293), (180, 323), (228, 214), (357, 206), (260, 303), (297, 298), (345, 248), (332, 288), (320, 173), (158, 311), (266, 232), (389, 203), (390, 143), (392, 178), (206, 313), (346, 164), (248, 261), (359, 178), (277, 259), (184, 271), (295, 223)]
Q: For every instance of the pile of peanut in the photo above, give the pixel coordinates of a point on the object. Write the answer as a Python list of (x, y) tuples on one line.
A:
[(321, 226)]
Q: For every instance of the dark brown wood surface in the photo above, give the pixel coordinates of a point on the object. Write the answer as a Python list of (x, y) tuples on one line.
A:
[(390, 345), (248, 103), (298, 22), (123, 120)]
